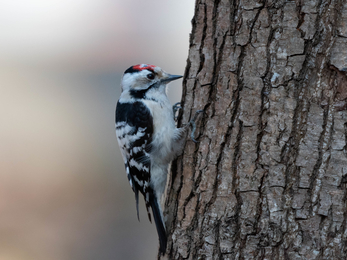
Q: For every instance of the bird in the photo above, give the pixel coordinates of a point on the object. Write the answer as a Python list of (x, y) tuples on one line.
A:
[(148, 137)]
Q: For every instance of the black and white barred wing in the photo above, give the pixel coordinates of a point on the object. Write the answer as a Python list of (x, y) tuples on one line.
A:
[(134, 129)]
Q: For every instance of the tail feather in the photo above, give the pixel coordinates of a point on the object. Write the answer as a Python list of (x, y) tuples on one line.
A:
[(137, 203), (159, 223)]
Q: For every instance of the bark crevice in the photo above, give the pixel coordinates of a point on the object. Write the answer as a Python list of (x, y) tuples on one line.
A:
[(267, 179)]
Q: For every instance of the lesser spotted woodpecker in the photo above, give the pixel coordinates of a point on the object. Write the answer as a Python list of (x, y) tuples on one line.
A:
[(148, 137)]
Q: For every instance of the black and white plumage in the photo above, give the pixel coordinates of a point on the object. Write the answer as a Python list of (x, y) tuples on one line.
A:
[(148, 137)]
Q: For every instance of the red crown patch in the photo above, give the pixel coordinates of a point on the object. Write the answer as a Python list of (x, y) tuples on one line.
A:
[(140, 67)]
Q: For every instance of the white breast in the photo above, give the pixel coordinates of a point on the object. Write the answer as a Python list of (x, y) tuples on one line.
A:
[(163, 130)]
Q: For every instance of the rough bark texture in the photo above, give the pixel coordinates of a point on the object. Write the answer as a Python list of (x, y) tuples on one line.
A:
[(268, 178)]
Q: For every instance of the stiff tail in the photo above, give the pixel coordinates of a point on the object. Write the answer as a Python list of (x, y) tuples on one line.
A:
[(158, 223)]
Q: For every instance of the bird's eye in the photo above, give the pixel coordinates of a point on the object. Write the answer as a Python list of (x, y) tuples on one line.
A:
[(150, 76)]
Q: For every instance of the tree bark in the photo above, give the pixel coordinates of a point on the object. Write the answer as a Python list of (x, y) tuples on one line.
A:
[(268, 178)]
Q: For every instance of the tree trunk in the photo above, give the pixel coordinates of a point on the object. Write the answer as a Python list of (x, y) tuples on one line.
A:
[(268, 178)]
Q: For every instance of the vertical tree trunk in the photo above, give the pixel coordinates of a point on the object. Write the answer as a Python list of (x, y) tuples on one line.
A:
[(267, 179)]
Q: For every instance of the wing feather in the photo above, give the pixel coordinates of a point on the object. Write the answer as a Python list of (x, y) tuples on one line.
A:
[(134, 129)]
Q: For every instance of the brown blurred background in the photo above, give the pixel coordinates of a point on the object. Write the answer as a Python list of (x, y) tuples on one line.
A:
[(63, 190)]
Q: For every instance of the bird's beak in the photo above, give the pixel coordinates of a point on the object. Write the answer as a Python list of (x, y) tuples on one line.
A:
[(171, 78)]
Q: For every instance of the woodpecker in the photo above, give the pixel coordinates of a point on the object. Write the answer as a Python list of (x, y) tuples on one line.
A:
[(148, 137)]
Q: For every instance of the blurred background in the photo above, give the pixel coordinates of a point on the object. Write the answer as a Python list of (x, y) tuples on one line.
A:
[(63, 190)]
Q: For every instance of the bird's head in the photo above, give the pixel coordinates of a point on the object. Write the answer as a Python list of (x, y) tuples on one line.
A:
[(144, 76)]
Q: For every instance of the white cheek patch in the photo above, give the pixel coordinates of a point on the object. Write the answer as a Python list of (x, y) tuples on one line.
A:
[(135, 80), (127, 81)]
